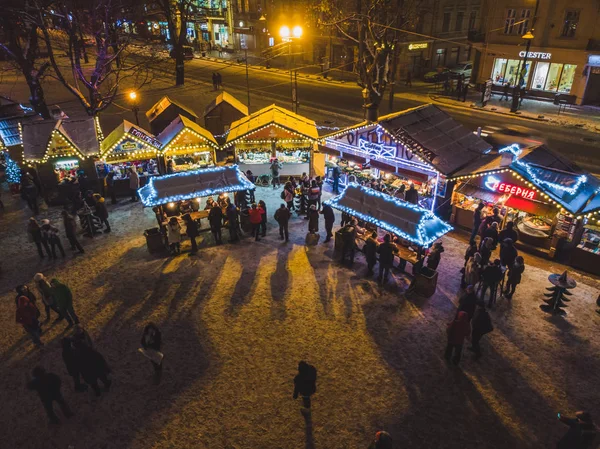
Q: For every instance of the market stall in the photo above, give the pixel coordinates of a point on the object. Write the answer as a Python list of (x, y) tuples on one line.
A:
[(273, 133), (187, 146), (62, 152), (129, 146), (548, 199), (422, 146), (414, 228)]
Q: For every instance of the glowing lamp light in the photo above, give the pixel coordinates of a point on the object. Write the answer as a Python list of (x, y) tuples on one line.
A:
[(171, 205), (297, 31), (198, 200), (284, 32), (132, 95)]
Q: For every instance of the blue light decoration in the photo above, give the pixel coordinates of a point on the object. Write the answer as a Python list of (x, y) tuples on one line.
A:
[(514, 149), (428, 229), (13, 171), (150, 196)]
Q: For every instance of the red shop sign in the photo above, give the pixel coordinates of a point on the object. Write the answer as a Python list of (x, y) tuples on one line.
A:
[(496, 185)]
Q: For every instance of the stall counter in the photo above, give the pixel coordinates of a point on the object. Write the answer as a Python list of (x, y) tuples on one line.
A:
[(286, 169)]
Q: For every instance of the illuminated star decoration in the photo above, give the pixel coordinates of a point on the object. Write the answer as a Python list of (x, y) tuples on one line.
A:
[(427, 229), (192, 185)]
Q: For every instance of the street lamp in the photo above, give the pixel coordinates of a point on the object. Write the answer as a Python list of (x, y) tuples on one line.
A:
[(134, 106), (528, 36), (288, 36)]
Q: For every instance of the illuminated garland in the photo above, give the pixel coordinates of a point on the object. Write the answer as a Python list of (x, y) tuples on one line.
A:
[(13, 171), (421, 239), (148, 193), (173, 141), (249, 133)]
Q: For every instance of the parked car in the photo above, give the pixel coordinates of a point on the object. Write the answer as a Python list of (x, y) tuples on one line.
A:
[(463, 69), (188, 52), (439, 74)]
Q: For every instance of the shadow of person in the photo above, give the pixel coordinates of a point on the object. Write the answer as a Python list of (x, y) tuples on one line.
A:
[(308, 431)]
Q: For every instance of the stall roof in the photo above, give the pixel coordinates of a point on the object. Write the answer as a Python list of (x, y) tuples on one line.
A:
[(180, 124), (410, 222), (224, 97), (11, 115), (128, 129), (193, 184), (272, 115), (162, 104), (82, 134)]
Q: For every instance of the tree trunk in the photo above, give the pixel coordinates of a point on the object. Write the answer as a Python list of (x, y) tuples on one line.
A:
[(179, 68), (37, 99)]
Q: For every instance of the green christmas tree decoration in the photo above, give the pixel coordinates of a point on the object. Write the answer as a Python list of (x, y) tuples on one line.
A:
[(561, 284), (12, 171)]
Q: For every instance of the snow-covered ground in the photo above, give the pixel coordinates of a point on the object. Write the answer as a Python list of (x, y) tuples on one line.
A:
[(236, 319)]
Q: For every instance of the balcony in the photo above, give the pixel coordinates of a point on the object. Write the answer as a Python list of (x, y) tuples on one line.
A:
[(212, 13)]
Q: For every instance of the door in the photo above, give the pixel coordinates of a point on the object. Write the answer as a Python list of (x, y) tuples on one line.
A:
[(592, 91)]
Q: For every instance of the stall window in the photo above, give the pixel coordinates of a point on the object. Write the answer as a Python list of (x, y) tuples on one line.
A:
[(570, 23), (540, 76), (553, 76), (567, 77)]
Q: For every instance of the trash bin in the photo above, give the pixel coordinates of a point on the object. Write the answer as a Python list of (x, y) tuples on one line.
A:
[(154, 240), (425, 282)]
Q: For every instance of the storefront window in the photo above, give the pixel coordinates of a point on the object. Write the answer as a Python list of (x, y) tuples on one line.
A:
[(567, 77), (540, 76), (499, 70), (505, 71), (553, 76)]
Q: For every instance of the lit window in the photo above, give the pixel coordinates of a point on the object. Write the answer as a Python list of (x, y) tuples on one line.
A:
[(271, 41), (570, 23), (540, 76), (567, 77)]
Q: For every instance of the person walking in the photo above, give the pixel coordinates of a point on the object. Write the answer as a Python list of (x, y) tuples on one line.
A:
[(282, 216), (335, 174), (490, 278), (215, 218), (233, 221), (481, 324), (174, 236), (313, 219), (329, 216), (191, 229), (313, 194), (70, 226), (581, 434), (102, 211), (408, 82), (457, 331), (370, 250), (411, 195), (219, 80), (47, 385), (288, 195), (468, 302), (152, 344), (23, 290), (255, 220), (305, 383), (27, 316), (45, 290), (263, 217), (515, 271), (386, 259), (134, 183), (93, 367), (110, 187), (275, 168), (50, 235), (348, 234), (64, 301), (214, 81), (34, 232), (72, 364), (477, 217)]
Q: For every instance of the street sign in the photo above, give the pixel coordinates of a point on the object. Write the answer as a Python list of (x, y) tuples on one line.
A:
[(487, 92)]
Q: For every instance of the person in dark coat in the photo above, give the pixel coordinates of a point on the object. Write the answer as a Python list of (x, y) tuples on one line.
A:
[(191, 229), (508, 252), (102, 211), (335, 174), (581, 433), (313, 219), (411, 195), (64, 301), (110, 187), (491, 277), (71, 231), (492, 232), (386, 258), (305, 382), (476, 221), (383, 440), (468, 302), (92, 367), (457, 331), (370, 250), (263, 218), (515, 271), (23, 290), (80, 335), (508, 233), (215, 218), (435, 256), (48, 386), (485, 224), (34, 231), (152, 339), (282, 216), (496, 217), (348, 234), (45, 290), (234, 223), (481, 324), (471, 250), (329, 216), (27, 315), (72, 363), (485, 249), (50, 235)]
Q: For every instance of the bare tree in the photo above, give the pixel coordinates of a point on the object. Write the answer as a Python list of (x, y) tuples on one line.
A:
[(376, 26), (177, 14), (20, 41)]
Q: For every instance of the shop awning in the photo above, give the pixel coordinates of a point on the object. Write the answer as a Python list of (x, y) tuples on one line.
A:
[(410, 222), (128, 142), (60, 138), (276, 118), (193, 184), (184, 134)]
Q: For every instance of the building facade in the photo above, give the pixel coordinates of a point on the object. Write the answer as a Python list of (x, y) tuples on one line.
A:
[(564, 53)]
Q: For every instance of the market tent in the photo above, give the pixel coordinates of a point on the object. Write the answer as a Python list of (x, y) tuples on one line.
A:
[(137, 141), (292, 125), (224, 97), (193, 184), (182, 131), (408, 221)]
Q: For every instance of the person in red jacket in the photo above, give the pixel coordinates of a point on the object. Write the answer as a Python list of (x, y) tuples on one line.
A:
[(27, 316), (256, 214), (457, 331)]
